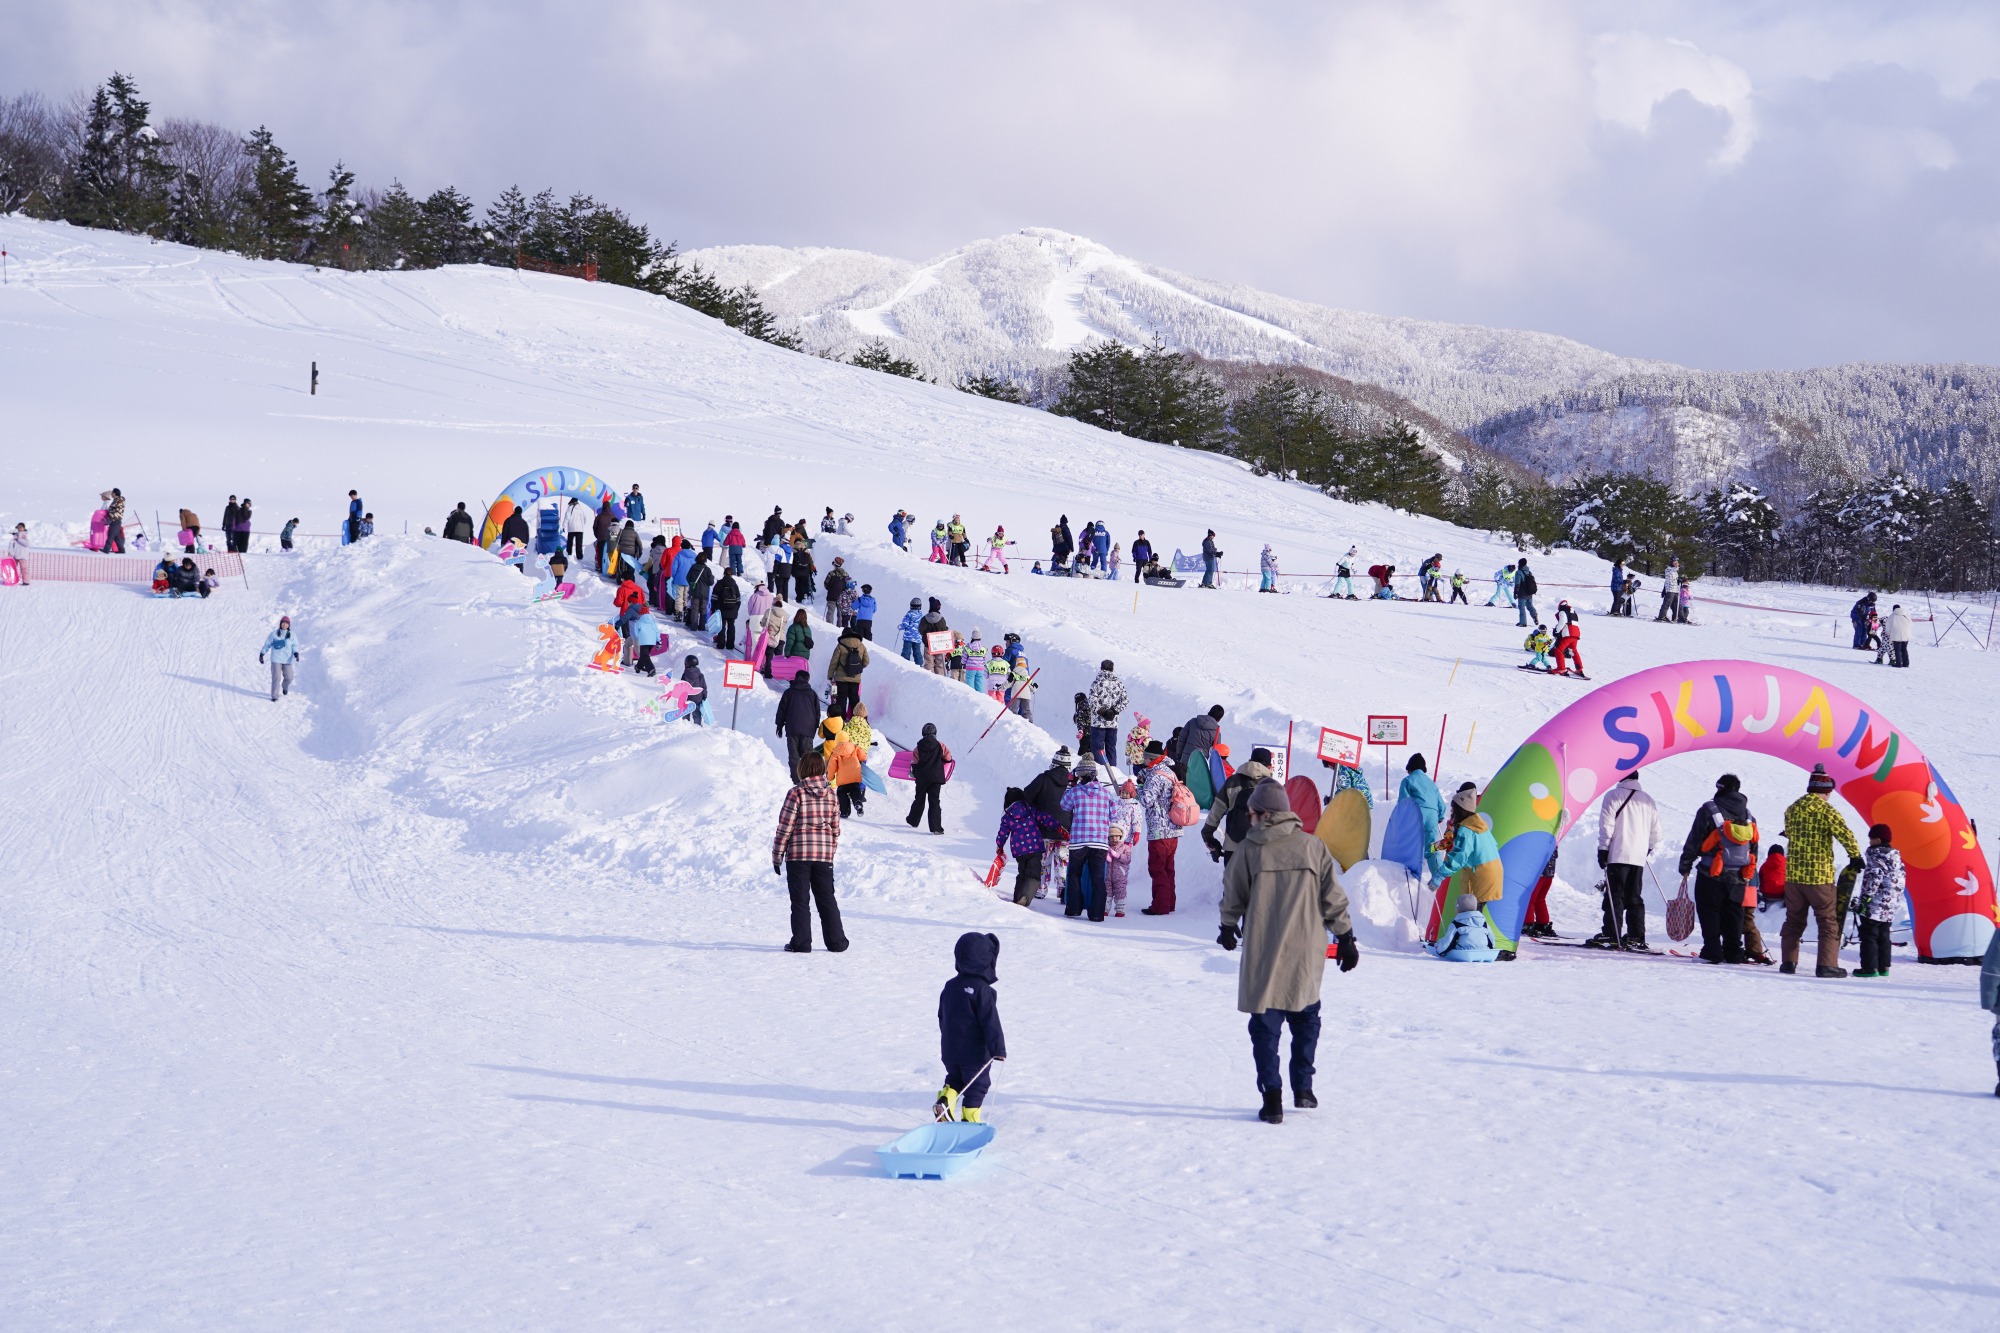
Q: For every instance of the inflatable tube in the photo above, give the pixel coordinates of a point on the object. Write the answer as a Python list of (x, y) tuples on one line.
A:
[(531, 488), (1344, 827), (1676, 710)]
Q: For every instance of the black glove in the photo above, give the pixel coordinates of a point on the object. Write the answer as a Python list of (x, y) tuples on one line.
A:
[(260, 659), (777, 867), (1603, 858), (1227, 938), (1214, 847), (1857, 865), (1350, 952)]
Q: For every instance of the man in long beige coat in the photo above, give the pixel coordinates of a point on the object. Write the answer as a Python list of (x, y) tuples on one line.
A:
[(1282, 895)]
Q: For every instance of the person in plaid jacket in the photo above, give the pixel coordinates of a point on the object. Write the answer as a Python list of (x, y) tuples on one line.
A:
[(802, 851), (1092, 805), (1811, 825)]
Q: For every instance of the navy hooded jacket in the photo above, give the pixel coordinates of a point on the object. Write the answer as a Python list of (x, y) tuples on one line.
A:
[(968, 1011)]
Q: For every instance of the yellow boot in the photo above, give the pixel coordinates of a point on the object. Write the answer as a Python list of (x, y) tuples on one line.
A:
[(970, 1115), (946, 1107)]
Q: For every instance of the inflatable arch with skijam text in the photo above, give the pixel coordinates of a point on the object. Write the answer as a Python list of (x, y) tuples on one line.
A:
[(1669, 711), (530, 489)]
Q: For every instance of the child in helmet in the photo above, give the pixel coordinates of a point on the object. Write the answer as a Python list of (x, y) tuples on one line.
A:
[(1539, 644)]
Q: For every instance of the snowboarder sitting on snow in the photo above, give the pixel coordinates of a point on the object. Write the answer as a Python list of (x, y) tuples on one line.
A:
[(1467, 938), (1539, 644), (969, 1035)]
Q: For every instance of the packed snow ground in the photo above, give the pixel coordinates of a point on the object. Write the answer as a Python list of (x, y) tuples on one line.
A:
[(447, 991)]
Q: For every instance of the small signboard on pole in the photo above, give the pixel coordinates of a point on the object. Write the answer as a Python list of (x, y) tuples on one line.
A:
[(1388, 731), (670, 528), (938, 642), (1339, 748), (738, 675)]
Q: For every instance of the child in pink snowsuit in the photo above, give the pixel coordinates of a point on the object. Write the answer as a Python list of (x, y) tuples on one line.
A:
[(1118, 861)]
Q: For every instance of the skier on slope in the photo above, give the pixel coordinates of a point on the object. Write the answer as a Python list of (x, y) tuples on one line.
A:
[(1503, 587), (1267, 570), (1343, 574), (1568, 630)]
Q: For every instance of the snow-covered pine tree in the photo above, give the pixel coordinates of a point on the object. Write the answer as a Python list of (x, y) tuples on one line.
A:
[(877, 356), (988, 385), (275, 212), (118, 178), (1743, 528), (336, 238)]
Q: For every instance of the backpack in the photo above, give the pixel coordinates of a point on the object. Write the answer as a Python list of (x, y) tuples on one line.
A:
[(850, 662), (1183, 810), (1526, 586), (1236, 824), (1731, 844)]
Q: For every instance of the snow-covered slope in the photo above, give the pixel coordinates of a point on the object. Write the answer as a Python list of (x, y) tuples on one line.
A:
[(1018, 304), (446, 992)]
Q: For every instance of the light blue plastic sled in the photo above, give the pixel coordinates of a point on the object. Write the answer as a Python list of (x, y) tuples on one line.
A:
[(935, 1151)]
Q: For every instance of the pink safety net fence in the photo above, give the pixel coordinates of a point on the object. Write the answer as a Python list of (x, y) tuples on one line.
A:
[(94, 567)]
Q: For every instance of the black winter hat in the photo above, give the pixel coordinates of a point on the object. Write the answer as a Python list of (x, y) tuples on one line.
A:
[(1729, 782), (692, 660), (1155, 748), (1105, 665), (1416, 764), (1261, 755), (1821, 781), (936, 605), (1217, 712)]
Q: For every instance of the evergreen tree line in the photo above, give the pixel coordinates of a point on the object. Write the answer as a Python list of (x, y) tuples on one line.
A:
[(102, 162)]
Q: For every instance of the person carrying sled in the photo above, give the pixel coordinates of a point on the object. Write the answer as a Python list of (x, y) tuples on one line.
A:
[(927, 770), (1025, 831), (281, 650), (1417, 786), (1229, 812), (969, 1035), (697, 684), (1281, 898), (1812, 826)]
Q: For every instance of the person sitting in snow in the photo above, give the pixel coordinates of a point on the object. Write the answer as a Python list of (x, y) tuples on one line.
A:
[(697, 687), (1539, 644), (207, 583), (969, 1035), (1467, 937)]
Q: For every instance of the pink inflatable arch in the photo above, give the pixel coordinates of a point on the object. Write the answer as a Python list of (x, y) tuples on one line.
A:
[(1669, 711)]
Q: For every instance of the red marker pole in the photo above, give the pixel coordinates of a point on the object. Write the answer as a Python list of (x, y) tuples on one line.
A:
[(1440, 750), (1003, 711)]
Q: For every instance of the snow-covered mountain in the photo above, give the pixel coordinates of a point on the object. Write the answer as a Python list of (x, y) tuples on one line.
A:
[(1019, 304)]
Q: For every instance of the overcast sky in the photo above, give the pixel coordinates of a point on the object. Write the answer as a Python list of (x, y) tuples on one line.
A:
[(1744, 183)]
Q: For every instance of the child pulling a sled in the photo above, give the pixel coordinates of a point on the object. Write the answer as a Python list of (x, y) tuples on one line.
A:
[(969, 1035)]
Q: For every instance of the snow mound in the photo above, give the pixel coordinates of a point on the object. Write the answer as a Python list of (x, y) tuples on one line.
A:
[(1385, 902)]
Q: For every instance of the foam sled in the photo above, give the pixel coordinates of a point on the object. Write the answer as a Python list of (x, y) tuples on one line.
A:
[(99, 525), (784, 668), (899, 767), (714, 626), (1403, 840), (873, 780), (1303, 794), (935, 1151), (10, 571), (1218, 770), (1199, 779), (992, 876), (1344, 826)]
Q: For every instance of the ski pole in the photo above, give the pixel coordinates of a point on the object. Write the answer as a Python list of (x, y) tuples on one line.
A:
[(1003, 711)]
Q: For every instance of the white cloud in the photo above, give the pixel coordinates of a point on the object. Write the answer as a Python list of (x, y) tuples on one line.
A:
[(1633, 72)]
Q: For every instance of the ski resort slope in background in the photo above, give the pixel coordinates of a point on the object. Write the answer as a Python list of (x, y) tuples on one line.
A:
[(446, 992)]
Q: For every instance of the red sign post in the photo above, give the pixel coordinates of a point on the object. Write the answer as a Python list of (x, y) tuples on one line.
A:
[(739, 676)]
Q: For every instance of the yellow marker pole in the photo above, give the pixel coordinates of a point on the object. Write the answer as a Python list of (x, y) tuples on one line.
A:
[(1135, 601), (1470, 734), (1454, 673)]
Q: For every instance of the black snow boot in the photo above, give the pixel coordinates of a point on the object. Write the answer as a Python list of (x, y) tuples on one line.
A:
[(1303, 1099), (1830, 973), (1274, 1107)]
